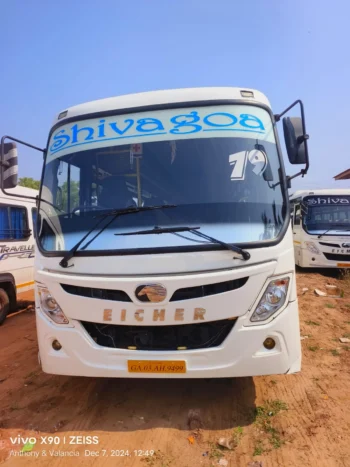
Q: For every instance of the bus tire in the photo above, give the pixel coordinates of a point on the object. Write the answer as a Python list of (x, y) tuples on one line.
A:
[(4, 305)]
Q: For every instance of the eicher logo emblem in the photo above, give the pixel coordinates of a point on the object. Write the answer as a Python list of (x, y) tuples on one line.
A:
[(153, 293), (346, 245)]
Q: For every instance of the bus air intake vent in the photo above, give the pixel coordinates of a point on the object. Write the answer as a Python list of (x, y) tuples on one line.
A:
[(187, 336), (208, 289), (102, 294), (334, 257), (332, 245)]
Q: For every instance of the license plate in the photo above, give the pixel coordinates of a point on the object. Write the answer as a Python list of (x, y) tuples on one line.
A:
[(343, 265), (156, 366)]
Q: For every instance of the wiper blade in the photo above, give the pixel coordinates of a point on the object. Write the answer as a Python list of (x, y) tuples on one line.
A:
[(133, 209), (194, 230), (160, 230), (333, 228), (113, 212)]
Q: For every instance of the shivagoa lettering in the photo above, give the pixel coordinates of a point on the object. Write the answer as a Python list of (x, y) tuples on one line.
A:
[(327, 200), (181, 124)]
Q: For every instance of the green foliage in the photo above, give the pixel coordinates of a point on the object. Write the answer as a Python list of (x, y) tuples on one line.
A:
[(62, 196), (264, 415), (258, 449), (29, 183)]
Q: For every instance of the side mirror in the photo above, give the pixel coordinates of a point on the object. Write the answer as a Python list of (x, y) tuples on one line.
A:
[(295, 140), (9, 166)]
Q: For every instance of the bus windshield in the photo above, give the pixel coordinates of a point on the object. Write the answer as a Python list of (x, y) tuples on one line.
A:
[(218, 164), (327, 213)]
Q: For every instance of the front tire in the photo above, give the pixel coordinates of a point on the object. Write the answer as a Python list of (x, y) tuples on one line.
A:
[(4, 305)]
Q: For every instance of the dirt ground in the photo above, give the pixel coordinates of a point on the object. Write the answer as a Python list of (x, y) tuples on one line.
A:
[(295, 420)]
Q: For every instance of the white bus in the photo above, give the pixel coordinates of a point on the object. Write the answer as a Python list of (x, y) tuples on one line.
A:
[(164, 245), (16, 247), (321, 228)]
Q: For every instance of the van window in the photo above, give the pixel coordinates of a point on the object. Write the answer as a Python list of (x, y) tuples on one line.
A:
[(13, 223)]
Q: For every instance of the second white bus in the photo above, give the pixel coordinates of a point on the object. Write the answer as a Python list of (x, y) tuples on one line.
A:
[(321, 228)]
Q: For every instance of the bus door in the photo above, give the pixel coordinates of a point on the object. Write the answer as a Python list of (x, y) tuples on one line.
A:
[(297, 233)]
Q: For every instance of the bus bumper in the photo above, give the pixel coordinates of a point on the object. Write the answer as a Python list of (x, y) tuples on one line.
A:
[(241, 354), (312, 260)]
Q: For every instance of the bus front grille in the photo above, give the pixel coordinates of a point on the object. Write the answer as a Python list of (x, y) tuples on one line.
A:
[(336, 257), (185, 336), (187, 293)]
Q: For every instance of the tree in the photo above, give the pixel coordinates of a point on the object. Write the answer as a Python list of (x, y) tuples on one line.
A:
[(74, 196), (29, 183)]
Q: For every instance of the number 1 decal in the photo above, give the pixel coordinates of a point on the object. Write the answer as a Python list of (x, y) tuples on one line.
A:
[(239, 162)]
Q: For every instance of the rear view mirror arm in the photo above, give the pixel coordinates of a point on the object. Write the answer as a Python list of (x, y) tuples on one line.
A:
[(19, 141)]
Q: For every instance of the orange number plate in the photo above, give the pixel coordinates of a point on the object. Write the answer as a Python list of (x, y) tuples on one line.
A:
[(156, 366)]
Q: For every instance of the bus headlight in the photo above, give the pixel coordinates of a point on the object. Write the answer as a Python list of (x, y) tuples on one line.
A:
[(312, 248), (272, 300), (50, 307)]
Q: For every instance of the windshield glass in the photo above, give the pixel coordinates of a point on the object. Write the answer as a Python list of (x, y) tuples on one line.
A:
[(326, 212), (218, 164)]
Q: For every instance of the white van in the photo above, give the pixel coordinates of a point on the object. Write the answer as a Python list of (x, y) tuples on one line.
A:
[(16, 247)]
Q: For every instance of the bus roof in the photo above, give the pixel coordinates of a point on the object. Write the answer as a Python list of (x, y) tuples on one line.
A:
[(19, 190), (172, 96), (335, 192)]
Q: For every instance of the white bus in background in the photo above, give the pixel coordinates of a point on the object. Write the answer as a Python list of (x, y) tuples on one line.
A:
[(164, 244), (16, 246), (321, 228)]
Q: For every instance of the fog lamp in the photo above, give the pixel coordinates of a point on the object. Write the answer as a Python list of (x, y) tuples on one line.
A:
[(56, 345), (269, 343)]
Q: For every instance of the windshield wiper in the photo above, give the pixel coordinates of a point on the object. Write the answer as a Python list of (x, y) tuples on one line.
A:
[(115, 213), (133, 209), (194, 230), (332, 228)]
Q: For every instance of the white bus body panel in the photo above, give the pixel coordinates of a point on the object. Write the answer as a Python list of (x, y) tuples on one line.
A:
[(242, 352)]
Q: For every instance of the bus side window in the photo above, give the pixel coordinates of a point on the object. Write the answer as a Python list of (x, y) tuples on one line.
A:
[(13, 223), (297, 214)]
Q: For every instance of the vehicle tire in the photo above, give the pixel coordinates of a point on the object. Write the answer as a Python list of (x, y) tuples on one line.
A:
[(4, 305)]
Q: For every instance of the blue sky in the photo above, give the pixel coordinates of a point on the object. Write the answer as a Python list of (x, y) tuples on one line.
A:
[(58, 54)]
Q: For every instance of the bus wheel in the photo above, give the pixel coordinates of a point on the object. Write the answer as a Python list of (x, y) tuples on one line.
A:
[(4, 305)]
